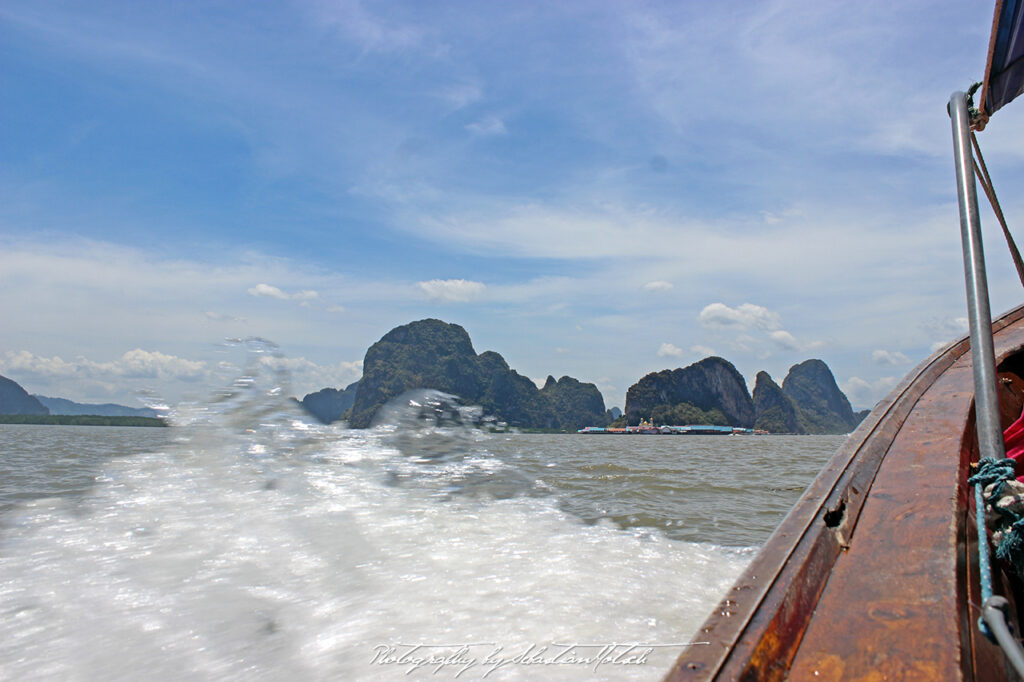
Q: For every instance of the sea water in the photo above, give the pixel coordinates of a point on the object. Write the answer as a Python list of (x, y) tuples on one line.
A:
[(246, 543)]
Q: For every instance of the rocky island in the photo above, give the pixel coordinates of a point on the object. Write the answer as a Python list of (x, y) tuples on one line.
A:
[(435, 354), (713, 391)]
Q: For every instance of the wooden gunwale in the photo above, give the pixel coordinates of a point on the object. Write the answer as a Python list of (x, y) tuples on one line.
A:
[(757, 629)]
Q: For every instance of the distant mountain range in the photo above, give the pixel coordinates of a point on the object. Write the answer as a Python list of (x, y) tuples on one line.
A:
[(434, 354), (438, 355), (15, 400), (65, 406), (712, 391)]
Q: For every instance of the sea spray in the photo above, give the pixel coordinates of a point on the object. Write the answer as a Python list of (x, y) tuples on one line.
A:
[(258, 546)]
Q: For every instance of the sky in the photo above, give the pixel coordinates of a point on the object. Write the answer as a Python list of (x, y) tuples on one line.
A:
[(593, 189)]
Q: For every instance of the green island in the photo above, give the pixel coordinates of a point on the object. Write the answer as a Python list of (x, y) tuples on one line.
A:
[(79, 420)]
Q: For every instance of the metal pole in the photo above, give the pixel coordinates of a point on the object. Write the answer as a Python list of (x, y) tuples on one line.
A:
[(986, 399), (994, 614)]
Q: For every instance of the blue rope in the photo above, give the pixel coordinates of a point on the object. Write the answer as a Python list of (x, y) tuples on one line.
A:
[(1011, 522), (983, 564), (994, 471), (1011, 548)]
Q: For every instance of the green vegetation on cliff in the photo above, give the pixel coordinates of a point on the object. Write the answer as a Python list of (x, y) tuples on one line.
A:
[(776, 412), (822, 405), (434, 354), (713, 392), (329, 404)]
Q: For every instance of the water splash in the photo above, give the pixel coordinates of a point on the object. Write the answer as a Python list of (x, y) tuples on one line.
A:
[(428, 425), (260, 546)]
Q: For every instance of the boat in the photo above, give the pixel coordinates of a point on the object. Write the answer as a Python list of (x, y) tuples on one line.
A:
[(877, 572)]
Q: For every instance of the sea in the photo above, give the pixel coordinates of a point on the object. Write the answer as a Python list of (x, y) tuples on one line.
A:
[(246, 543)]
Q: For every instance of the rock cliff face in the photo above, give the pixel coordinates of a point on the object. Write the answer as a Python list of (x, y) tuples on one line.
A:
[(774, 410), (713, 392), (709, 391), (809, 401), (573, 404), (328, 404), (16, 400), (811, 386), (438, 355)]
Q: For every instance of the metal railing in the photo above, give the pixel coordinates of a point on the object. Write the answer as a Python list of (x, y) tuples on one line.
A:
[(986, 397)]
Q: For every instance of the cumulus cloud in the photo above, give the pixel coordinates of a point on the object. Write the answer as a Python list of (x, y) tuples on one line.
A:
[(669, 350), (269, 291), (26, 362), (135, 363), (888, 358), (746, 316), (785, 339), (306, 376), (452, 290), (864, 393), (138, 368), (659, 285), (154, 364)]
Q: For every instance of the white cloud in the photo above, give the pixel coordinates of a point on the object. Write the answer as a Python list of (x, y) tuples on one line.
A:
[(137, 363), (705, 351), (746, 316), (669, 350), (29, 363), (306, 376), (864, 394), (452, 290), (785, 339), (157, 365), (269, 291), (889, 358), (137, 369), (659, 285)]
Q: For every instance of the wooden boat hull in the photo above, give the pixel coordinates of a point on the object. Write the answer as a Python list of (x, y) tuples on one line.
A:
[(873, 573)]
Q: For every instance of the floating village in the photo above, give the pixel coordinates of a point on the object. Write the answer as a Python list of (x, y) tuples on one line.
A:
[(647, 428)]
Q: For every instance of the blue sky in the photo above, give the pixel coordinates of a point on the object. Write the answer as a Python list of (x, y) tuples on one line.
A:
[(598, 189)]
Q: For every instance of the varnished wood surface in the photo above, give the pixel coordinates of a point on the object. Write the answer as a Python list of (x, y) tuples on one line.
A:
[(867, 578)]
